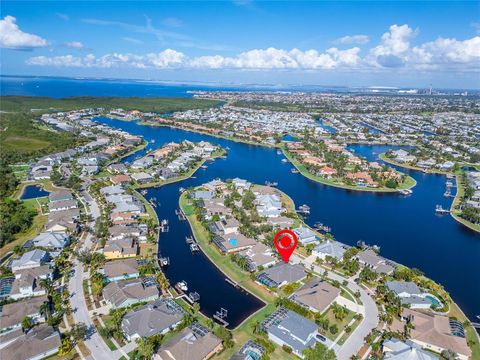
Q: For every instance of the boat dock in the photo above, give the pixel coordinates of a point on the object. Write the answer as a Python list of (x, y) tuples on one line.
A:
[(304, 209), (440, 210), (231, 282), (220, 316), (180, 214)]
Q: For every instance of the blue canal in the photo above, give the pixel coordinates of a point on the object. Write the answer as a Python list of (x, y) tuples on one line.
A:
[(406, 228)]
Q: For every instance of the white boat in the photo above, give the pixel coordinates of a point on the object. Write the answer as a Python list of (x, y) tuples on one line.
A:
[(182, 285), (405, 191), (284, 161)]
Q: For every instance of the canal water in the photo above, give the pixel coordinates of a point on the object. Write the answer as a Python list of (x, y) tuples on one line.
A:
[(405, 227)]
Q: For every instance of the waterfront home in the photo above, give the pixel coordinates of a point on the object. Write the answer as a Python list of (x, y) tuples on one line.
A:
[(117, 270), (327, 172), (124, 293), (120, 179), (158, 317), (241, 184), (166, 173), (316, 295), (281, 222), (120, 248), (287, 328), (203, 195), (233, 242), (112, 190), (62, 205), (259, 255), (40, 342), (227, 226), (250, 350), (192, 343), (281, 274), (332, 249), (269, 205), (215, 185), (60, 195), (143, 162), (305, 235), (394, 349), (118, 168), (31, 259), (214, 207), (362, 179), (142, 177), (53, 241), (435, 332), (12, 314), (376, 263), (134, 207), (27, 282), (426, 164), (410, 294), (123, 218), (136, 231)]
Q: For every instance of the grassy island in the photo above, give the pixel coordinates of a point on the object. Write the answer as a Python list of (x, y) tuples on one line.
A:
[(407, 183)]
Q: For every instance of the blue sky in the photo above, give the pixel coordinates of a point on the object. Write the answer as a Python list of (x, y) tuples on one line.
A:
[(407, 43)]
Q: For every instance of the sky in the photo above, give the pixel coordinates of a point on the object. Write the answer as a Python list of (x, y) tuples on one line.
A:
[(399, 44)]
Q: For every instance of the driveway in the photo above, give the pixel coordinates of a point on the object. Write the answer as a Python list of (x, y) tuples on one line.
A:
[(370, 317)]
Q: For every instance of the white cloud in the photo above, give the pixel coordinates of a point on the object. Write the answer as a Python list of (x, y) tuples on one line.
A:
[(352, 39), (13, 38), (172, 22), (75, 45), (394, 50)]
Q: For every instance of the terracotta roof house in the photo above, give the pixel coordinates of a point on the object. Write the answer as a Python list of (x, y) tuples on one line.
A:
[(120, 179), (437, 333)]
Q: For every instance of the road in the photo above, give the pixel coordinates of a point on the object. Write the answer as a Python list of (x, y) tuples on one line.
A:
[(98, 349), (370, 317)]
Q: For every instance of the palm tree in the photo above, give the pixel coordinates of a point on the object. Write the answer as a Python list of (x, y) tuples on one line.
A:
[(146, 347)]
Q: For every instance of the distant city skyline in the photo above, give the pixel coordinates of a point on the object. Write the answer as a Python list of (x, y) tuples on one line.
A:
[(398, 44)]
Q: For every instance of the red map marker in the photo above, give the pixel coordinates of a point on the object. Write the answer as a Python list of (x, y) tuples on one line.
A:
[(285, 241)]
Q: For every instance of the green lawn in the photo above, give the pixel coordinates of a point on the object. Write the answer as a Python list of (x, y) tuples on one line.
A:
[(341, 324)]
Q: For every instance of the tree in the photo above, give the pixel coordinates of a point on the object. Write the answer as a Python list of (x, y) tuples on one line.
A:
[(65, 347), (78, 331), (334, 329), (449, 355), (146, 347), (27, 323), (319, 352)]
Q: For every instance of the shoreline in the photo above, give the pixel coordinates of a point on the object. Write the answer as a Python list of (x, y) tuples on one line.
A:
[(201, 242), (454, 213), (307, 175), (383, 157), (323, 181)]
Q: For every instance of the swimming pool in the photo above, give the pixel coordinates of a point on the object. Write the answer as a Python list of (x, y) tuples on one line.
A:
[(433, 300)]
